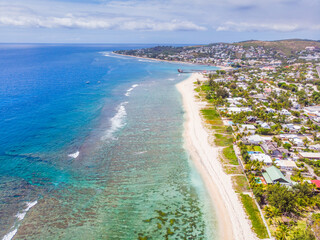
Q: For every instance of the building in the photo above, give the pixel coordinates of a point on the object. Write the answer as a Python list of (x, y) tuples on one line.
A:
[(287, 165), (261, 158), (317, 183), (309, 155), (238, 109), (274, 175), (247, 128), (272, 149), (265, 125), (285, 112), (255, 139)]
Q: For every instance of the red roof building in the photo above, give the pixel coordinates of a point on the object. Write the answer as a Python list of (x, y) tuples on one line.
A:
[(316, 182)]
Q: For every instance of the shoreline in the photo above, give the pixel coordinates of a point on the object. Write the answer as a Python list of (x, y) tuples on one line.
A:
[(179, 62), (232, 220)]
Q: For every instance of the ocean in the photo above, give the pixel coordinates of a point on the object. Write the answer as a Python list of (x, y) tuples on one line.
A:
[(92, 147)]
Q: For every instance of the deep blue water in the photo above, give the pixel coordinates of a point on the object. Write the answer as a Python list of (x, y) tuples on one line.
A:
[(56, 100)]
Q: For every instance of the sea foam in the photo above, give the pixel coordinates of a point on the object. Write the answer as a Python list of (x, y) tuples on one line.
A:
[(117, 122), (10, 235), (74, 155), (20, 216), (130, 89)]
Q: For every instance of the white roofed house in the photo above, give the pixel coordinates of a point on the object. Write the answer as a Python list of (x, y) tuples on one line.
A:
[(255, 139), (270, 110), (291, 127), (287, 165), (310, 155), (265, 125), (261, 157), (297, 141), (247, 128), (285, 112), (238, 109)]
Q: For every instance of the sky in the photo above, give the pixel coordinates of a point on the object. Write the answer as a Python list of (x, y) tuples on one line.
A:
[(157, 21)]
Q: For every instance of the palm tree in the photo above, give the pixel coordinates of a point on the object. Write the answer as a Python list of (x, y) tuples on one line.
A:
[(282, 232)]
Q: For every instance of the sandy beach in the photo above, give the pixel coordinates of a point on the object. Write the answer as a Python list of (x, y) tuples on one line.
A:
[(232, 220)]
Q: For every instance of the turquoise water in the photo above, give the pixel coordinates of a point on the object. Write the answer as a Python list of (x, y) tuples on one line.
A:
[(92, 148)]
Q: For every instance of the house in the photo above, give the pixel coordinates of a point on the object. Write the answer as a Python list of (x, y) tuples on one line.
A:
[(261, 157), (313, 111), (309, 155), (273, 149), (287, 165), (270, 110), (297, 141), (255, 139), (260, 97), (247, 128), (251, 119), (315, 147), (265, 125), (296, 105), (291, 127), (274, 175), (285, 112), (238, 109)]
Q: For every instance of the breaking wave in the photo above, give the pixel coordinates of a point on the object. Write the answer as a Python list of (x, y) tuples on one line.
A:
[(130, 89), (117, 122)]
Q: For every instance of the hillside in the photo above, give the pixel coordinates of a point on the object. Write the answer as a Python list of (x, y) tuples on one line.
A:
[(287, 47)]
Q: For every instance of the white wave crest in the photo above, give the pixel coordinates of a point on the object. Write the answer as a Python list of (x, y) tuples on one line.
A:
[(10, 235), (106, 54), (117, 122), (149, 61), (139, 153), (171, 79), (130, 89), (21, 215), (74, 155)]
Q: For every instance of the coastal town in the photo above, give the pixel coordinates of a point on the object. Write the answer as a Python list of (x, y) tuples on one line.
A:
[(263, 114)]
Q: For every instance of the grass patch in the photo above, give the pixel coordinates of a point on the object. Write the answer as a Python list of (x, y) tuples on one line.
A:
[(222, 140), (240, 183), (230, 155), (219, 128), (232, 170), (255, 148), (205, 88), (210, 114), (254, 215), (215, 122)]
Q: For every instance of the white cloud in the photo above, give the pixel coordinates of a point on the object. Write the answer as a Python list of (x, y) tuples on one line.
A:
[(17, 16), (164, 15), (278, 27)]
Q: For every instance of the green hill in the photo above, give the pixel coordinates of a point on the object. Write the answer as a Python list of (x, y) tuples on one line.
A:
[(287, 47)]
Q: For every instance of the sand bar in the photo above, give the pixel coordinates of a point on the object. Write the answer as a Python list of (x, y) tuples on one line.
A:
[(232, 220)]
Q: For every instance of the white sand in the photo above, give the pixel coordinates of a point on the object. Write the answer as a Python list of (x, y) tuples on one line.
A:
[(232, 220)]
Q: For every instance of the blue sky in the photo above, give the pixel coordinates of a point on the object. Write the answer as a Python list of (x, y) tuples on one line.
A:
[(157, 21)]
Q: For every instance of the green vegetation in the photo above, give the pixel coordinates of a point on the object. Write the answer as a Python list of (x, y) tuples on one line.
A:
[(210, 114), (254, 215), (254, 148), (287, 47), (215, 122), (232, 169), (222, 140), (240, 183), (230, 155)]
